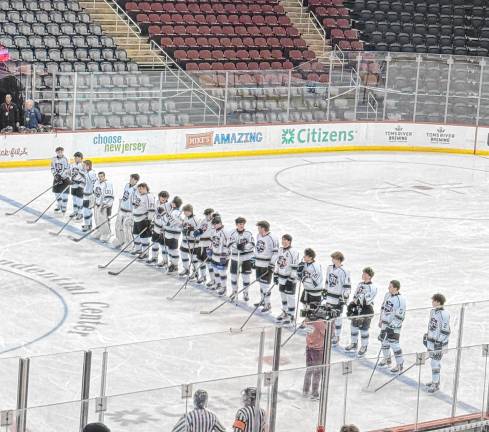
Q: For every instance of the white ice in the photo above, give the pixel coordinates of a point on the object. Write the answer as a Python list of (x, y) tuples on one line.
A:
[(419, 218)]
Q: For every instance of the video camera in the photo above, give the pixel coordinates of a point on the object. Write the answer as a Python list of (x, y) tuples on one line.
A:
[(320, 312)]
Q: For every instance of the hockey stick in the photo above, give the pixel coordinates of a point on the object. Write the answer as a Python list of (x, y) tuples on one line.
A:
[(231, 299), (48, 207), (375, 367), (297, 327), (122, 250), (184, 285), (25, 205), (232, 330), (79, 239), (394, 377), (57, 233), (116, 273)]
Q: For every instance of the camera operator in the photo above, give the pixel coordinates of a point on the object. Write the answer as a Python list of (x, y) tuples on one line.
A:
[(316, 328), (9, 115)]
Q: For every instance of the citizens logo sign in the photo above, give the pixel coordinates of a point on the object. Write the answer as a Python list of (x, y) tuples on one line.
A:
[(199, 140), (117, 144), (291, 136), (441, 136), (398, 135)]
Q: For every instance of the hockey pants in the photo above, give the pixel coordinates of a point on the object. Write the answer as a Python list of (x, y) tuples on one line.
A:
[(123, 228), (101, 214)]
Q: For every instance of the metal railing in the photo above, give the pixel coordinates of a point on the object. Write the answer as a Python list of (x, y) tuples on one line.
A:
[(161, 373)]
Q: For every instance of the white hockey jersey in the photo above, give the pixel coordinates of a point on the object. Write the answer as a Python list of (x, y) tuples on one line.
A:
[(338, 285), (161, 217), (174, 223), (247, 242), (266, 250), (438, 327), (60, 166), (143, 206), (392, 312), (205, 227), (365, 294), (77, 177), (104, 193), (286, 265), (126, 200), (90, 180), (312, 278), (189, 225), (221, 244)]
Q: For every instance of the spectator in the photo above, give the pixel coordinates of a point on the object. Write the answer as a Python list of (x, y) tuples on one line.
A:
[(96, 427), (349, 428), (32, 116), (314, 355), (9, 115)]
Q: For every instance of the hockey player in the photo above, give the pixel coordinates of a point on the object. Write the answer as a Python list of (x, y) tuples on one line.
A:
[(204, 234), (88, 196), (173, 229), (220, 253), (360, 311), (124, 222), (143, 209), (104, 198), (266, 251), (248, 418), (163, 208), (286, 278), (311, 274), (189, 243), (391, 317), (200, 419), (337, 290), (436, 339), (60, 169), (242, 248), (77, 185)]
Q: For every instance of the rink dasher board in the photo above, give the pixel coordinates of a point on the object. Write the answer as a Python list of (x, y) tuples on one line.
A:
[(111, 146)]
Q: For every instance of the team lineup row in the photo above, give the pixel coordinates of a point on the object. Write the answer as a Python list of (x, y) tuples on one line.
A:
[(164, 233)]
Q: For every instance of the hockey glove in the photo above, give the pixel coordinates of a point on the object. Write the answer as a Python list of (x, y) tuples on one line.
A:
[(425, 340), (352, 309), (58, 179), (382, 336), (300, 270), (271, 268), (187, 231), (275, 278), (241, 246), (208, 252), (198, 233), (221, 265), (290, 286)]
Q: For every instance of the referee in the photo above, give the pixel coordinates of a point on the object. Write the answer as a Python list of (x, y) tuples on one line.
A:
[(247, 418), (199, 419)]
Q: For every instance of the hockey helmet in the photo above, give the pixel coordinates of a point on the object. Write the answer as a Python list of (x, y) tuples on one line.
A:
[(200, 399)]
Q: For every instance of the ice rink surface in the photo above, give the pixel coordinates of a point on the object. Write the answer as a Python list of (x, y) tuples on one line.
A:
[(419, 218)]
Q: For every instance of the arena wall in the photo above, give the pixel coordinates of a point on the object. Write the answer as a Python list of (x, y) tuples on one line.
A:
[(105, 146)]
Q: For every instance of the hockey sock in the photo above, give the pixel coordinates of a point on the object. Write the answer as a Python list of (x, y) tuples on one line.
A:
[(284, 301), (435, 370), (365, 337), (398, 353), (87, 216), (234, 282), (185, 260), (173, 253), (164, 254), (291, 303), (155, 248), (211, 272), (59, 201), (246, 282), (338, 323), (144, 243), (386, 350), (64, 201), (354, 334), (264, 293)]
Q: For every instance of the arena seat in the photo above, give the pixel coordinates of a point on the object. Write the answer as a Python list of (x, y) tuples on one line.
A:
[(183, 27)]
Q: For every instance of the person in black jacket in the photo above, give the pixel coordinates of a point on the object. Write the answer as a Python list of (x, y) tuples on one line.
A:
[(9, 115)]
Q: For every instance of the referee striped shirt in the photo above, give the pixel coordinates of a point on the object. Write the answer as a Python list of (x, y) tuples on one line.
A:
[(199, 420), (247, 420)]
